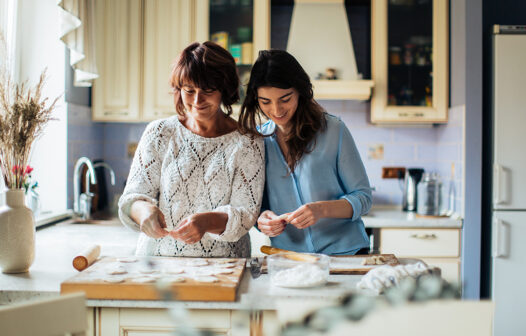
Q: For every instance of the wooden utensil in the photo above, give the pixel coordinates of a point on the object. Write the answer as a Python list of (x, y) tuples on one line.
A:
[(86, 257), (290, 254)]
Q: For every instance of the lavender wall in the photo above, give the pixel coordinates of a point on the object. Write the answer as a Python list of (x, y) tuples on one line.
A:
[(432, 148)]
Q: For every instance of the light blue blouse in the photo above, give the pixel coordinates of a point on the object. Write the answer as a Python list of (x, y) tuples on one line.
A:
[(332, 171)]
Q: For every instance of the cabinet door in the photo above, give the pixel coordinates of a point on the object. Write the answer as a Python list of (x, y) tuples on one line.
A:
[(420, 242), (244, 37), (410, 61), (508, 271), (118, 49), (167, 31)]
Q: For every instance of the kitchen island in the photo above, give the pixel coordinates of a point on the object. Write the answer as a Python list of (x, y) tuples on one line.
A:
[(255, 306), (57, 245)]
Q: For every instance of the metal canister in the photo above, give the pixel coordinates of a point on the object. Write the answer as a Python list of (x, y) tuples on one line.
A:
[(429, 195)]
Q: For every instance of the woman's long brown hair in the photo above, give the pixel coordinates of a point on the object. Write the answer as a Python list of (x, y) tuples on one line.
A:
[(278, 68)]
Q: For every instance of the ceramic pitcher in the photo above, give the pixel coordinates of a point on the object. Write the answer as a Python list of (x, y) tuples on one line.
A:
[(17, 233)]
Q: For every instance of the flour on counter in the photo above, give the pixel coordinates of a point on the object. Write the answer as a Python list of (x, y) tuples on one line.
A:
[(305, 275)]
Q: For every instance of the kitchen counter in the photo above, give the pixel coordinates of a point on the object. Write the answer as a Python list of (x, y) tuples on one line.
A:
[(57, 245), (396, 218)]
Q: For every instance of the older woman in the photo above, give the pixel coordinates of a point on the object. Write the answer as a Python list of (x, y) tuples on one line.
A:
[(196, 183)]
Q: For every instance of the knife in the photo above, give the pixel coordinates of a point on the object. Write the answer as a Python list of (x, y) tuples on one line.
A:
[(255, 267)]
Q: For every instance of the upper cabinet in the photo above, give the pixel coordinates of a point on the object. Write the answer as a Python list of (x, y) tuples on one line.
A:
[(137, 42), (399, 45), (118, 41), (410, 61), (241, 26), (167, 31)]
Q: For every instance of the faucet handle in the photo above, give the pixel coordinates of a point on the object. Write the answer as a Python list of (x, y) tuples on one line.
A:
[(85, 205)]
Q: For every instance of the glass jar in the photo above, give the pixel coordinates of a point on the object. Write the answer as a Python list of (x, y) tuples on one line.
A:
[(429, 195), (395, 55)]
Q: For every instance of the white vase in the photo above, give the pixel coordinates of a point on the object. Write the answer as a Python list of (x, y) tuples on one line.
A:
[(17, 233)]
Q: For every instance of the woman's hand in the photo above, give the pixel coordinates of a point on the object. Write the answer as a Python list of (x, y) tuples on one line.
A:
[(271, 224), (191, 229), (150, 219), (306, 215)]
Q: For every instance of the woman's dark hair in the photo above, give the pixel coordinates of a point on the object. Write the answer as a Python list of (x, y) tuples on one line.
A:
[(278, 68), (208, 66)]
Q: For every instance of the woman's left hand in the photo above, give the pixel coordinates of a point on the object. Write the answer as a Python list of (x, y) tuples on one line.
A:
[(191, 229), (306, 215)]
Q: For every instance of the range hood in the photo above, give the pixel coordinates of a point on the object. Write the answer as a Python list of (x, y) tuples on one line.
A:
[(319, 38)]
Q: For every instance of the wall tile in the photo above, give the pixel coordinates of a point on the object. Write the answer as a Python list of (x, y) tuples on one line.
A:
[(432, 148), (414, 135)]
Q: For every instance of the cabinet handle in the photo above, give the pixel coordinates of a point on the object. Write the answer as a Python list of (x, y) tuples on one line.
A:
[(120, 113), (413, 114), (501, 239), (423, 236), (497, 178)]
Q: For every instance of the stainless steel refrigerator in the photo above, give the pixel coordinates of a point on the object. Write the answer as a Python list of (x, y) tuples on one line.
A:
[(509, 180)]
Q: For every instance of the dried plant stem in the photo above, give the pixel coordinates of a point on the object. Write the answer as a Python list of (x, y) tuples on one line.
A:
[(23, 115)]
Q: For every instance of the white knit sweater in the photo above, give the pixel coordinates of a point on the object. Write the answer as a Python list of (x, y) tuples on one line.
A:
[(183, 174)]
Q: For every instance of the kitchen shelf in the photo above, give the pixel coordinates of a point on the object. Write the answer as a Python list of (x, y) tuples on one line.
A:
[(342, 89)]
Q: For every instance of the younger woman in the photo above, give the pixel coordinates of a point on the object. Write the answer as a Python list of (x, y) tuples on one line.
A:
[(316, 187)]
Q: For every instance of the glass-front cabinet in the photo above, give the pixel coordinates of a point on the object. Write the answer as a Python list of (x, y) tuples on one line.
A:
[(240, 26), (410, 61)]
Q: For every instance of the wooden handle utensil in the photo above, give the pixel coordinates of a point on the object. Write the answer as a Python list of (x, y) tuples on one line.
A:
[(291, 254), (86, 257)]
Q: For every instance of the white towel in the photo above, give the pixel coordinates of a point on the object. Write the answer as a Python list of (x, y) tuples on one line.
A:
[(387, 276)]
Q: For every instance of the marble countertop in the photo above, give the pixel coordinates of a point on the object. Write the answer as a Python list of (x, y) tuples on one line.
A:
[(57, 245), (396, 218)]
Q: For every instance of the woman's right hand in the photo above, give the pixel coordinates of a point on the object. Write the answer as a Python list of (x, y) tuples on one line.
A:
[(271, 224), (150, 219)]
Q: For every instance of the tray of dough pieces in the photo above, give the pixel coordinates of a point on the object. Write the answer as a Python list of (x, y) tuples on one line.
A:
[(150, 278)]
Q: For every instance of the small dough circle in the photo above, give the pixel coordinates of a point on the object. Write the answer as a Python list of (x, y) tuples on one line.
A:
[(173, 270), (144, 279), (208, 279), (114, 279), (196, 262), (127, 259), (114, 270)]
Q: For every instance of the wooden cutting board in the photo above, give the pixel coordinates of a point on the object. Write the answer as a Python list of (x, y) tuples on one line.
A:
[(92, 281), (353, 264)]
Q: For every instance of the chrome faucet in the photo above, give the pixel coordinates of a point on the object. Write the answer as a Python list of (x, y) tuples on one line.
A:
[(80, 204)]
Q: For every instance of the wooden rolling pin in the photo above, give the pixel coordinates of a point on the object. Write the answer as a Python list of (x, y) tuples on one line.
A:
[(86, 257), (292, 255)]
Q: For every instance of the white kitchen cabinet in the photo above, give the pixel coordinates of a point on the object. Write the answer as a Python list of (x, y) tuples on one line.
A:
[(167, 31), (228, 17), (137, 42), (157, 321), (118, 38), (436, 247), (410, 62)]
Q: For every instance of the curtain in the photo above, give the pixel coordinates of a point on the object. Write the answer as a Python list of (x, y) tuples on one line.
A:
[(78, 33)]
